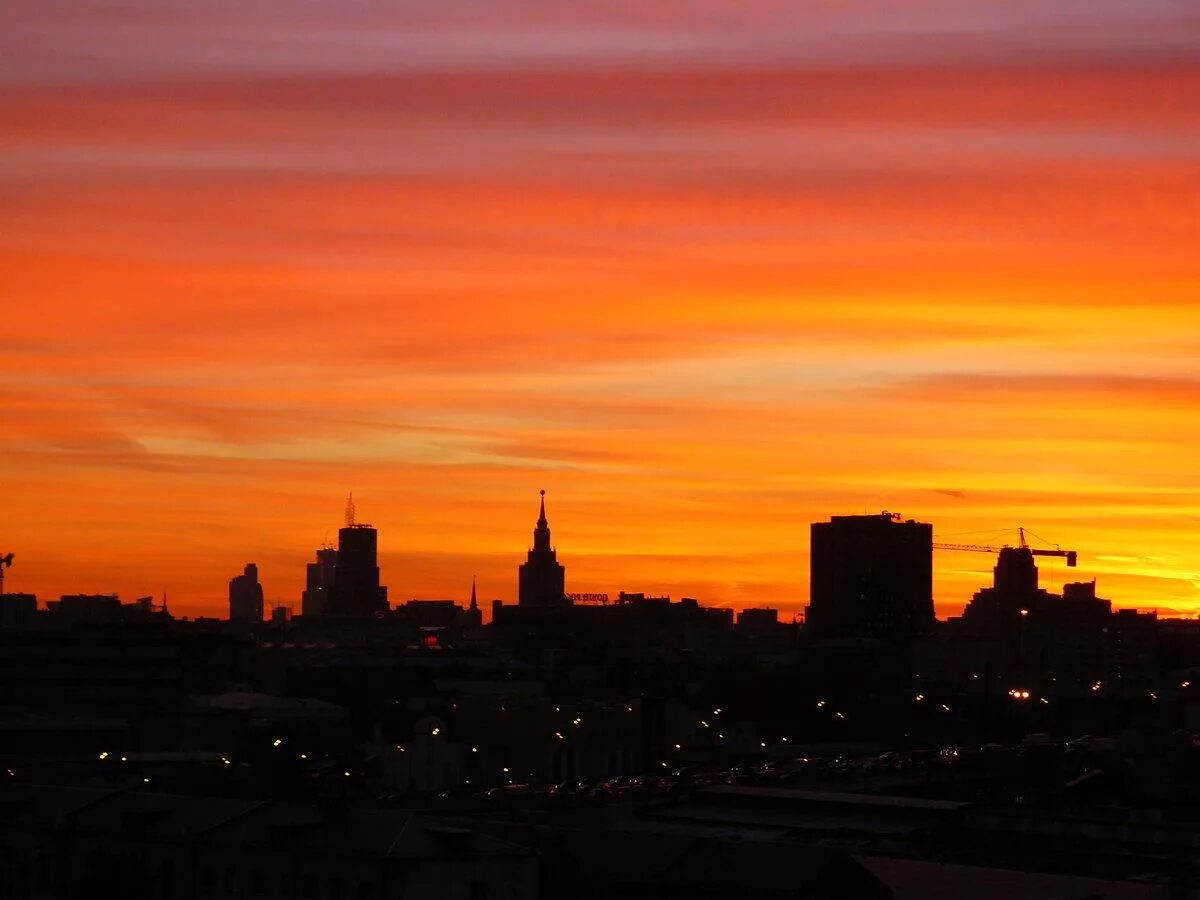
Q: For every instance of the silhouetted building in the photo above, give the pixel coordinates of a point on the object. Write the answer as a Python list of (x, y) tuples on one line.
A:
[(17, 610), (320, 578), (1074, 641), (246, 596), (872, 577), (758, 621), (356, 590), (72, 609), (542, 579), (999, 611), (474, 615)]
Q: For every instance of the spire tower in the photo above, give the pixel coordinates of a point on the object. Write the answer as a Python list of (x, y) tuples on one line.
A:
[(542, 578)]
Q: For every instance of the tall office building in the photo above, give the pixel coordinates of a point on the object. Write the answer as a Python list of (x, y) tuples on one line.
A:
[(246, 596), (871, 576), (356, 590), (319, 579), (541, 578)]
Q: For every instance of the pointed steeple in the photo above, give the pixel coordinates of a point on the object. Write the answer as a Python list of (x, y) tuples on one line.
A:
[(541, 534), (541, 578), (474, 599)]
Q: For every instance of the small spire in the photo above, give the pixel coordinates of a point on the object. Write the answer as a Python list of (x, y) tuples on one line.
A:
[(350, 510), (542, 515), (474, 599)]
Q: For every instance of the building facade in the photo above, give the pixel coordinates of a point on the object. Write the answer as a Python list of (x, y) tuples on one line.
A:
[(356, 590), (871, 577), (246, 596), (319, 580), (542, 578)]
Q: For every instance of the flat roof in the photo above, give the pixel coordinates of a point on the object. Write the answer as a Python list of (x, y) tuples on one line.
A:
[(799, 796)]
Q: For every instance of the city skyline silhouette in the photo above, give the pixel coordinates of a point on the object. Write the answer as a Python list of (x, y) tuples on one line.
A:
[(739, 269), (506, 585), (530, 450)]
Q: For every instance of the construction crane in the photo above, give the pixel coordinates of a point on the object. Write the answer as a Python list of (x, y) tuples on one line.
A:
[(5, 563), (1071, 556)]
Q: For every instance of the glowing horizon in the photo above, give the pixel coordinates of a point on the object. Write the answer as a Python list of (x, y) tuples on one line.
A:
[(705, 274)]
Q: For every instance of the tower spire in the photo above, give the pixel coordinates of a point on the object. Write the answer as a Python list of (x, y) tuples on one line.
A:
[(474, 599), (541, 577), (350, 510), (541, 532)]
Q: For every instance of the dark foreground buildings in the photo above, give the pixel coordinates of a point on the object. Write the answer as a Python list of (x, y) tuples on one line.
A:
[(79, 842), (582, 747), (1073, 643), (871, 576), (542, 578)]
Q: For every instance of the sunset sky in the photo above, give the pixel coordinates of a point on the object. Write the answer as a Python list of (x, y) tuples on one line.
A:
[(705, 271)]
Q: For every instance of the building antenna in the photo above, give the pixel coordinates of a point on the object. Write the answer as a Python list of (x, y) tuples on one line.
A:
[(350, 510)]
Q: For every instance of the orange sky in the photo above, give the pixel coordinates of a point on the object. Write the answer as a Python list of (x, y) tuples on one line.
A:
[(706, 272)]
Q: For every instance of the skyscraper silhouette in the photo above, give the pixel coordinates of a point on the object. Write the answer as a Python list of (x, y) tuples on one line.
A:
[(246, 596), (872, 576), (319, 581), (541, 578), (356, 590)]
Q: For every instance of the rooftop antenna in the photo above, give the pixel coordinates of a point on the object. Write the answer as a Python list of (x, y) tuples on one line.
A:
[(350, 510)]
